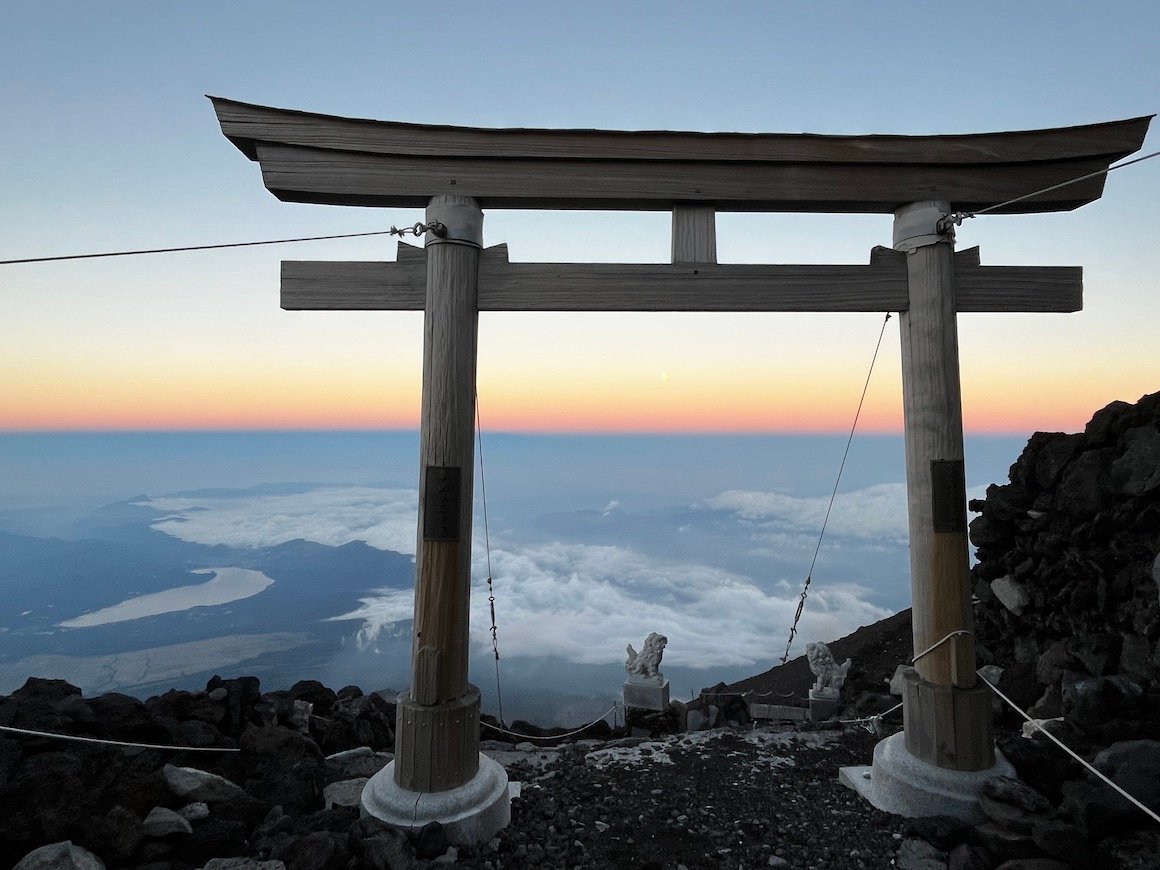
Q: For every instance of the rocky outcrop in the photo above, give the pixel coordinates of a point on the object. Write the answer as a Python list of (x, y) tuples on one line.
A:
[(1067, 572), (132, 807), (1069, 606)]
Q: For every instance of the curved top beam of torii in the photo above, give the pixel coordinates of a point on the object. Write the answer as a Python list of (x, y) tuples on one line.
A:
[(307, 157)]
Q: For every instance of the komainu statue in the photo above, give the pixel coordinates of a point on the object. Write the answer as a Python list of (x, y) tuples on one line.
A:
[(830, 674), (646, 664)]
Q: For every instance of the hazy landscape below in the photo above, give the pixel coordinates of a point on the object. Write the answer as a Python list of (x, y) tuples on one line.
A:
[(137, 562)]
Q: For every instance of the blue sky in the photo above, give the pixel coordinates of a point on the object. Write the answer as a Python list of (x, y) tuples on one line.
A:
[(109, 143)]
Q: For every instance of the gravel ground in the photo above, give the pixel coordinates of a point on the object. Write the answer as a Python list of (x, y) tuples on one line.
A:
[(723, 798)]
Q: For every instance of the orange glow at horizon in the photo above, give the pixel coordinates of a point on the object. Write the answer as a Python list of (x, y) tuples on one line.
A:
[(622, 395)]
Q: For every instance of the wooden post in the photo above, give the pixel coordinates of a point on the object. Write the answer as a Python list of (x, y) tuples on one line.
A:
[(937, 729), (437, 738), (694, 234)]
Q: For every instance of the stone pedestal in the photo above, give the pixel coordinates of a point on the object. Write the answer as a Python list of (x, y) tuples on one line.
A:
[(899, 783), (823, 704), (646, 694)]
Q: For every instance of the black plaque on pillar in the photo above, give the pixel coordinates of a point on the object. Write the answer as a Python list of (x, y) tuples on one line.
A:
[(441, 503), (948, 487)]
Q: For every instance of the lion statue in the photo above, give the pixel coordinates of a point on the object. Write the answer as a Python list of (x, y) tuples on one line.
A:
[(647, 662), (830, 674)]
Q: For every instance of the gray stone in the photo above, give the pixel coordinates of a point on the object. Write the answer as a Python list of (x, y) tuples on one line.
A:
[(195, 811), (1060, 840), (60, 856), (1137, 470), (344, 793), (1006, 843), (242, 864), (1134, 765), (1011, 594), (198, 785), (162, 822), (362, 764), (1013, 804), (915, 854), (384, 853), (966, 857), (1034, 864), (1055, 660)]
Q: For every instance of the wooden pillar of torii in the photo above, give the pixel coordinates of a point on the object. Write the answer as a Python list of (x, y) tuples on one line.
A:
[(455, 172)]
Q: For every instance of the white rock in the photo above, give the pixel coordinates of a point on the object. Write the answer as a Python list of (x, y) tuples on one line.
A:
[(198, 785), (344, 793), (1011, 594), (60, 856), (162, 822), (348, 754), (991, 673), (897, 682)]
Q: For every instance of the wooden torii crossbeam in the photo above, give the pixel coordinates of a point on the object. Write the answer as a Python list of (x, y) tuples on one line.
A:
[(456, 172)]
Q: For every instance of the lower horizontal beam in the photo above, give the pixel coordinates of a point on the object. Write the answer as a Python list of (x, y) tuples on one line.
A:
[(504, 286)]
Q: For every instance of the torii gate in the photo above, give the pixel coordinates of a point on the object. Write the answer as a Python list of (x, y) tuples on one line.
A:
[(946, 750)]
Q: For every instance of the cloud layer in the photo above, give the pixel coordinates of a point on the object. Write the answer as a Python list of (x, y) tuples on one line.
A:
[(584, 601), (383, 518)]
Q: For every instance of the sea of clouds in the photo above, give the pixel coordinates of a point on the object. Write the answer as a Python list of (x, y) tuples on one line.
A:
[(582, 600)]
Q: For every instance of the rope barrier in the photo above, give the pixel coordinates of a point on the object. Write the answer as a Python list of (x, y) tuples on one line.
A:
[(611, 709), (866, 720), (1069, 751), (79, 739), (935, 646)]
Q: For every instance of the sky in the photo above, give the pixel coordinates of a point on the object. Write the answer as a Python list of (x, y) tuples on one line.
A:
[(109, 143)]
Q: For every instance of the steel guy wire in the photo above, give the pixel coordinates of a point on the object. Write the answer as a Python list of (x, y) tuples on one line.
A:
[(956, 218), (833, 495)]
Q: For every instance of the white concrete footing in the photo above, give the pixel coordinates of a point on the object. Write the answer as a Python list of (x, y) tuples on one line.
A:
[(899, 783), (471, 814)]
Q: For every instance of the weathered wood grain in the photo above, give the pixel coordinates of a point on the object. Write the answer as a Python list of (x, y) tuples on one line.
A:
[(694, 234), (504, 286), (297, 174), (245, 123), (933, 431)]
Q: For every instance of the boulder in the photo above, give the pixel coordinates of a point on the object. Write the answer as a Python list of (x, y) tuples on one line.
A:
[(198, 785), (1013, 804), (162, 822), (60, 856), (1011, 593)]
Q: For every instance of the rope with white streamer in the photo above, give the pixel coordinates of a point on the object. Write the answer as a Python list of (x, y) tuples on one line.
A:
[(1069, 751)]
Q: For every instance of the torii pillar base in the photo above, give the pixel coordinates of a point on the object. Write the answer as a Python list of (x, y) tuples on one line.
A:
[(428, 786), (899, 783), (938, 764), (471, 814)]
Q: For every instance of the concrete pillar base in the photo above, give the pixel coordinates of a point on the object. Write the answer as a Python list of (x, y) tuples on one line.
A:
[(471, 814), (899, 783)]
